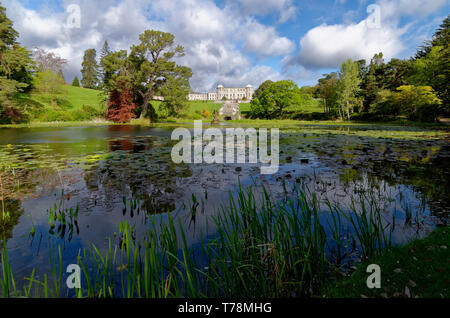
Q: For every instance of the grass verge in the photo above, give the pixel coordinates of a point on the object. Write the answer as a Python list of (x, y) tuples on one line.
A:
[(418, 269)]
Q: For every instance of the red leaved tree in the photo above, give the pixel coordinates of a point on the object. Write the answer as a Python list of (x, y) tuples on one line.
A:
[(120, 105)]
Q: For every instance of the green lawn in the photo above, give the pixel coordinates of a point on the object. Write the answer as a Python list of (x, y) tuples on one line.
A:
[(72, 98), (195, 108), (79, 96), (81, 104), (74, 104), (418, 269)]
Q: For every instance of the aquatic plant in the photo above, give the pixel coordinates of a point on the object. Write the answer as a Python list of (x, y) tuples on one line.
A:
[(261, 248)]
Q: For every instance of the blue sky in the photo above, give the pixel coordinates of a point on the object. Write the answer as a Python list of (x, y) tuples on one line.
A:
[(236, 42)]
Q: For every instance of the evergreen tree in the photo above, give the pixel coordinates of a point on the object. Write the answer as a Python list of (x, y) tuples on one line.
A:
[(105, 74), (372, 81), (8, 35), (396, 73), (152, 60), (89, 69), (175, 90), (15, 69), (76, 82), (432, 64)]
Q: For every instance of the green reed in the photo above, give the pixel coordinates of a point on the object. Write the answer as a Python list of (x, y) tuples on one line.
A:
[(260, 247)]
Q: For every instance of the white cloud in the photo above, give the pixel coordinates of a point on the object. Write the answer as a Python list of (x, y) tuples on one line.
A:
[(119, 24), (265, 41), (253, 76), (327, 46), (395, 9), (213, 36)]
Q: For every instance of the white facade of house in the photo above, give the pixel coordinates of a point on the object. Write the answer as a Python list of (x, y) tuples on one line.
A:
[(229, 93), (198, 96)]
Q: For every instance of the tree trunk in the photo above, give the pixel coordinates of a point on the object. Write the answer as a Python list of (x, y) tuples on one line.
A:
[(147, 96), (348, 111)]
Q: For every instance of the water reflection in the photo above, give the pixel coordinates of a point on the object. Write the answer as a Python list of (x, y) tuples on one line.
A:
[(10, 213), (78, 184)]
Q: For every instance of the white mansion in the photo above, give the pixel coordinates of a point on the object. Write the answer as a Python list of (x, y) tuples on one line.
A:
[(229, 93)]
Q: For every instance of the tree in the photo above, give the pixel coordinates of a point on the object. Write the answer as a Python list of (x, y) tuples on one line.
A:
[(8, 107), (50, 84), (48, 61), (326, 90), (278, 98), (48, 80), (61, 75), (433, 70), (105, 74), (152, 62), (418, 102), (310, 90), (116, 65), (426, 70), (373, 78), (362, 67), (442, 35), (8, 35), (258, 92), (432, 64), (396, 73), (348, 89), (89, 70), (76, 82), (16, 66), (440, 38), (119, 87), (175, 90), (385, 104), (120, 106)]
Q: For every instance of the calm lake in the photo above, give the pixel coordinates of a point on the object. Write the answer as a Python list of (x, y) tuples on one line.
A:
[(104, 175)]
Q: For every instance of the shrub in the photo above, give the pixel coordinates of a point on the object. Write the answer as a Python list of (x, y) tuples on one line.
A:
[(418, 102), (51, 114), (205, 113), (384, 104), (368, 116), (76, 82), (11, 115), (91, 112), (310, 116)]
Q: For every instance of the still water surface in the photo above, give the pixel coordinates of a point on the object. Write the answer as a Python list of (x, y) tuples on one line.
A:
[(98, 171)]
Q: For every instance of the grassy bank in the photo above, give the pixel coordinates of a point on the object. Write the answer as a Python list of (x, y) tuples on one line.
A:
[(418, 269), (81, 106), (81, 123), (74, 104), (196, 110)]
